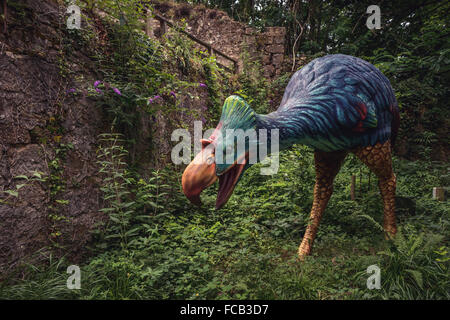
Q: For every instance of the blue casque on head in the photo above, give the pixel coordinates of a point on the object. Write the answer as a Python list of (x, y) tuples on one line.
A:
[(237, 117)]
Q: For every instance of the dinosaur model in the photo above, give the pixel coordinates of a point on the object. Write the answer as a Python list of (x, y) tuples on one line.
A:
[(335, 104)]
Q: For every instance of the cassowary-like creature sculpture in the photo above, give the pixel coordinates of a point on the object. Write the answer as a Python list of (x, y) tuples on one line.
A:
[(335, 104)]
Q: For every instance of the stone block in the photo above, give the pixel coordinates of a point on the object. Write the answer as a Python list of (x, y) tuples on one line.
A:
[(266, 59), (277, 59), (250, 30), (275, 48), (279, 40), (276, 31), (268, 71)]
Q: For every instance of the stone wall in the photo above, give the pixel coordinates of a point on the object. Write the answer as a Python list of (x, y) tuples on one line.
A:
[(227, 35), (37, 116), (268, 46)]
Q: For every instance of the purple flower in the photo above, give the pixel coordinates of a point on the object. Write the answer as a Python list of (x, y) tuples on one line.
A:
[(202, 85), (173, 94), (117, 91), (96, 83), (203, 120), (98, 90), (150, 100), (72, 90), (157, 97)]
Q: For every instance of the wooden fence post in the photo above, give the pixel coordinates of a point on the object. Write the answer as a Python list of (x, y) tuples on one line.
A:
[(439, 193), (148, 24), (163, 26)]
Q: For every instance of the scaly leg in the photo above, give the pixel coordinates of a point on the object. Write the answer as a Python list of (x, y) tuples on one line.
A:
[(378, 159), (327, 166)]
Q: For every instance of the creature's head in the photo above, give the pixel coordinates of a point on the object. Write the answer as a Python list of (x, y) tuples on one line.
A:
[(224, 155)]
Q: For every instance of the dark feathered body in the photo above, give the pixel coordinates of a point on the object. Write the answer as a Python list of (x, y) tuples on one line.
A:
[(336, 102)]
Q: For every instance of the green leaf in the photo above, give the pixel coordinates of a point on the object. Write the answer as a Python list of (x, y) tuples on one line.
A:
[(22, 176), (37, 174), (12, 193), (417, 276)]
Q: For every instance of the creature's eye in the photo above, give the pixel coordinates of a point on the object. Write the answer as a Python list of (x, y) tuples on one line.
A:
[(209, 160)]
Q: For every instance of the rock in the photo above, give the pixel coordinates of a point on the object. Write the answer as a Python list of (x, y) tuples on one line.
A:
[(232, 37), (277, 59), (275, 48), (34, 110), (268, 71), (276, 31), (266, 59), (250, 30), (279, 40)]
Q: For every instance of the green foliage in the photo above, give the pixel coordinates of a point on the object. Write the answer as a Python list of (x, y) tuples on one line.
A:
[(254, 87), (56, 186), (411, 49), (53, 182), (412, 269), (158, 246), (154, 76), (115, 188), (418, 70), (47, 282), (113, 276), (9, 194)]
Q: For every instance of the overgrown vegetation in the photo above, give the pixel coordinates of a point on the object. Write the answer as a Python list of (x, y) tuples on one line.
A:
[(156, 245), (412, 49)]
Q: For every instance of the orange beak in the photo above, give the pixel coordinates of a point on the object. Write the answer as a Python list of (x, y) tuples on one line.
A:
[(200, 173)]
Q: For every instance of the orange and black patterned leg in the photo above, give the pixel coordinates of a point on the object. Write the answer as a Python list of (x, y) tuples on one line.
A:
[(327, 166), (378, 159)]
